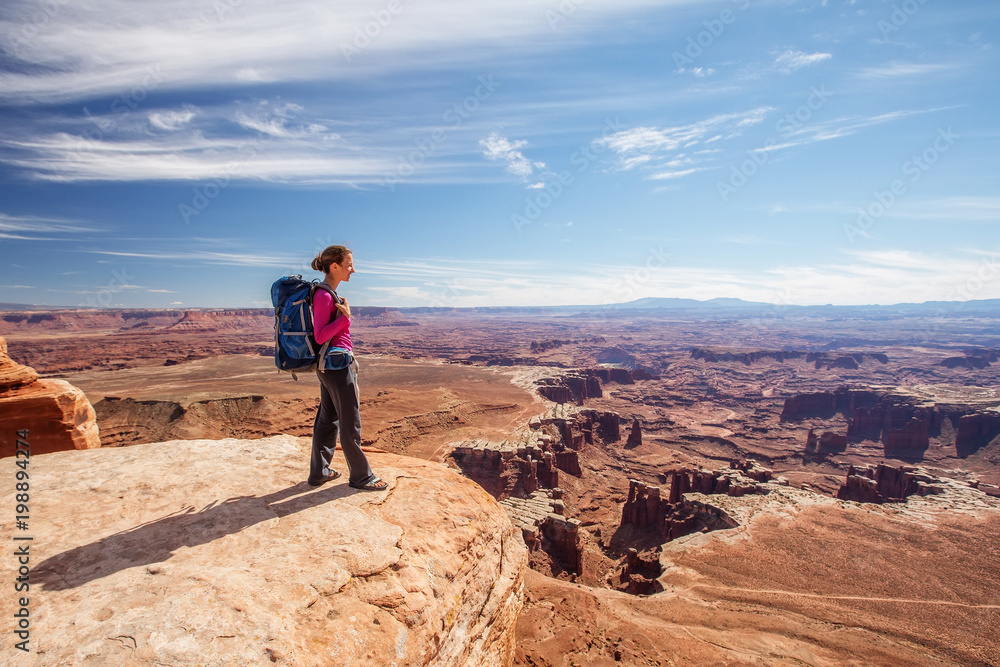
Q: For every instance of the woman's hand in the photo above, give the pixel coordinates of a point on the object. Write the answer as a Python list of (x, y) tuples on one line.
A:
[(345, 309)]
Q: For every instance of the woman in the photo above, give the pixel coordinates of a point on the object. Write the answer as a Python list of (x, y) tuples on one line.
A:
[(339, 410)]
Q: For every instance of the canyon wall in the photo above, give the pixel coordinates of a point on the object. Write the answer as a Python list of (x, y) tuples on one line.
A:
[(882, 483), (904, 426)]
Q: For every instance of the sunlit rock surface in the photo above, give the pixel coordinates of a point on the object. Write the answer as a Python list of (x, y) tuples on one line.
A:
[(56, 415), (216, 552)]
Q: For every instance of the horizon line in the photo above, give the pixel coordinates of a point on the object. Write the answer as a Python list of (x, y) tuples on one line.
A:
[(732, 302)]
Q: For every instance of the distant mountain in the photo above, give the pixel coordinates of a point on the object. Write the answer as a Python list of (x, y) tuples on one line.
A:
[(717, 306), (29, 306), (671, 302), (975, 308)]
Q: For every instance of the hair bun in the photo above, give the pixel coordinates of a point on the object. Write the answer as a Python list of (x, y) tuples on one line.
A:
[(317, 263)]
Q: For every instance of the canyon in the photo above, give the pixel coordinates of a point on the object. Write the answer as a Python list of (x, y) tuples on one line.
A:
[(686, 487)]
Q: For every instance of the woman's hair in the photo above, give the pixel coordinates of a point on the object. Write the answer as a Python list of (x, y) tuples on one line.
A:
[(333, 254)]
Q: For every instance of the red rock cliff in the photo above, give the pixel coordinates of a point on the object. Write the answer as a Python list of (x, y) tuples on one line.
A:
[(56, 414)]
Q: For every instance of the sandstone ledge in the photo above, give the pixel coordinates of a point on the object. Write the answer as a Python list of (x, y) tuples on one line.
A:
[(218, 553)]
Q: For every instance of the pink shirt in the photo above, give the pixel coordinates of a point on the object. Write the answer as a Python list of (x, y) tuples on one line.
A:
[(325, 326)]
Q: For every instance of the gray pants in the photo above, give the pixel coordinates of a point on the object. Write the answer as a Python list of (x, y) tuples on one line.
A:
[(339, 412)]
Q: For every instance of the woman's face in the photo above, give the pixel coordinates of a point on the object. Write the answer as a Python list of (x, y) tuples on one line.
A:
[(343, 270)]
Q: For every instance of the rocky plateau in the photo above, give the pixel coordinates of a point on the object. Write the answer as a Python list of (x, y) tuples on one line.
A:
[(685, 489)]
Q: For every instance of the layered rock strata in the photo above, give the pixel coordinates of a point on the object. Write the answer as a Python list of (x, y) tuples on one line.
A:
[(819, 359), (638, 572), (975, 430), (827, 443), (56, 415), (217, 552), (676, 516), (532, 458), (742, 477), (576, 386), (544, 528), (514, 468), (575, 428), (882, 484), (903, 426)]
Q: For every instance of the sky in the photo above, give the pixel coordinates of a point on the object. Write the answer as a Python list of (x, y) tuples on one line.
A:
[(178, 154)]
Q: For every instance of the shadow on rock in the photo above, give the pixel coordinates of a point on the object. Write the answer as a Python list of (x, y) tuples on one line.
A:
[(158, 540)]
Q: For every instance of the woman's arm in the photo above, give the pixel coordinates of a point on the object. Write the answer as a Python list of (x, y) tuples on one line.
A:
[(325, 325)]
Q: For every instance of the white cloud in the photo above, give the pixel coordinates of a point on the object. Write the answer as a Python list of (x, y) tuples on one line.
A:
[(952, 209), (171, 120), (667, 175), (500, 148), (34, 228), (791, 60), (677, 151), (786, 62), (273, 150), (85, 50), (836, 128), (901, 69), (866, 277)]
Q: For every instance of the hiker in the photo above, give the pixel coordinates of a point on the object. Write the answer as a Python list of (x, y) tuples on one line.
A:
[(339, 404)]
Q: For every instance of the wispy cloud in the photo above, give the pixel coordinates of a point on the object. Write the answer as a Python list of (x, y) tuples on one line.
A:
[(786, 62), (171, 120), (875, 277), (951, 209), (673, 152), (208, 257), (903, 69), (844, 126), (33, 228), (504, 150), (791, 60), (265, 141), (88, 50)]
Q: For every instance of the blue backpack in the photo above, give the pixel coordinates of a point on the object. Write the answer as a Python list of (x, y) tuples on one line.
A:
[(295, 348)]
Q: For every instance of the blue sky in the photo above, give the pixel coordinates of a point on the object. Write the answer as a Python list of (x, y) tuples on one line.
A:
[(186, 154)]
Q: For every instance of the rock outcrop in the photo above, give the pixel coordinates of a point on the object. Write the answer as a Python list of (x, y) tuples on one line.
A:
[(740, 478), (513, 468), (533, 458), (975, 430), (194, 320), (903, 424), (646, 510), (638, 572), (827, 443), (882, 483), (544, 530), (634, 436), (56, 415), (675, 515), (744, 357), (217, 552), (373, 316), (819, 359), (571, 388), (576, 386)]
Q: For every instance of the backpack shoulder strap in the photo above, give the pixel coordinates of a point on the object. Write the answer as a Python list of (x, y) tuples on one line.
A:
[(320, 284)]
